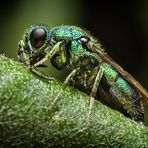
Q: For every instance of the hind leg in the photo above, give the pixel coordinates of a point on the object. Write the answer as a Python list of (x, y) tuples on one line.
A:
[(93, 93)]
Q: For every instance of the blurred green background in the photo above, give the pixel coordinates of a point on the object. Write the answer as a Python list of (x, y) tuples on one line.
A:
[(122, 27)]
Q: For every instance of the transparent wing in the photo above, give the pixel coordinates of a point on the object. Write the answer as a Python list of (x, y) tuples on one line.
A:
[(96, 48)]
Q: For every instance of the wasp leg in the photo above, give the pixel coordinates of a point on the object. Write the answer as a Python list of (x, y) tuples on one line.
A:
[(70, 76), (49, 54), (93, 93), (40, 74), (22, 55)]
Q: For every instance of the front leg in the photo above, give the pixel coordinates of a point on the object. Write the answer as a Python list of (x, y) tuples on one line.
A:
[(22, 55), (24, 58), (49, 54)]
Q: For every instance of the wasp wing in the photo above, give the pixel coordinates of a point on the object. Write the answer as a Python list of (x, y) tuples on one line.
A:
[(103, 55)]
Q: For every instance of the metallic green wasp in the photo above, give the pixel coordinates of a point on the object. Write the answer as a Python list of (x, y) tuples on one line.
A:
[(93, 70)]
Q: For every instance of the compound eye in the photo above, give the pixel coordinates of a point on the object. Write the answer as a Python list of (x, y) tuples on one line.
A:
[(37, 37)]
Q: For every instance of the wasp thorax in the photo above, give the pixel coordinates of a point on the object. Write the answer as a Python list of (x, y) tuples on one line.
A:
[(37, 37)]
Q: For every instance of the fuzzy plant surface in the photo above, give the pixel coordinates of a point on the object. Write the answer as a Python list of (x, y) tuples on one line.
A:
[(26, 121)]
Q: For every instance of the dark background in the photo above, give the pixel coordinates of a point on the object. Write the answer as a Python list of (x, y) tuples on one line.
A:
[(121, 26)]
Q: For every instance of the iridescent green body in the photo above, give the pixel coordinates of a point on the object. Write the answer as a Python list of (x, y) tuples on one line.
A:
[(121, 95), (114, 90)]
